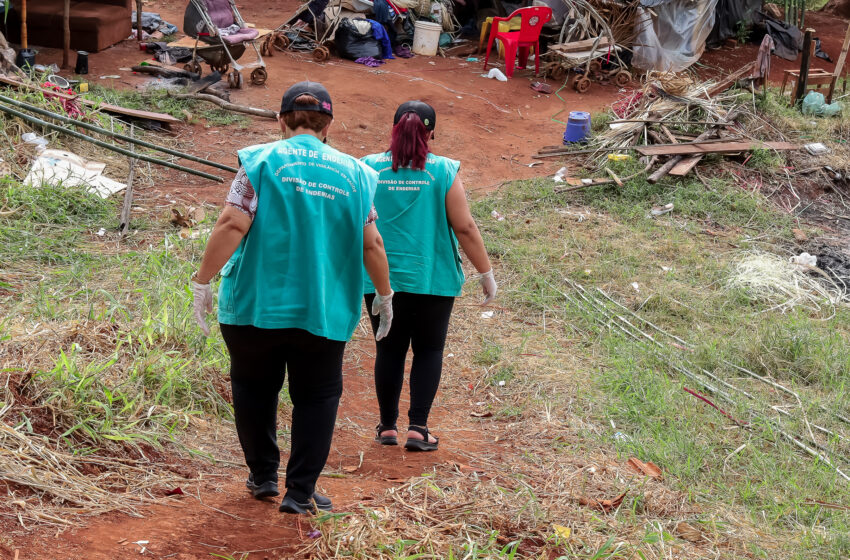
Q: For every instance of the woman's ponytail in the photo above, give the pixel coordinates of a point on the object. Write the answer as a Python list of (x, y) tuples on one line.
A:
[(409, 145)]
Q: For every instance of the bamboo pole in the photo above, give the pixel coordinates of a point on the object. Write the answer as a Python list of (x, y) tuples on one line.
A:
[(124, 220), (130, 139), (24, 24), (96, 142)]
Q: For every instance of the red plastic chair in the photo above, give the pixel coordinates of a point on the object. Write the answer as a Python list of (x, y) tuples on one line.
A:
[(533, 19)]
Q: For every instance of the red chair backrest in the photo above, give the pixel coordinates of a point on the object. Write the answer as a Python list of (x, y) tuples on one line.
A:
[(533, 20)]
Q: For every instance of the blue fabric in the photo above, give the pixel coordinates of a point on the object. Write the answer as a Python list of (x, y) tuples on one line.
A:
[(383, 12), (381, 35)]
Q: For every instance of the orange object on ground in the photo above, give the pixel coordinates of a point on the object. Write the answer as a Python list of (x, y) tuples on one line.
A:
[(528, 36)]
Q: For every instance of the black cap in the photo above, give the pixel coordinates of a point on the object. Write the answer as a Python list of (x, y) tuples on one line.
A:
[(426, 113), (315, 90)]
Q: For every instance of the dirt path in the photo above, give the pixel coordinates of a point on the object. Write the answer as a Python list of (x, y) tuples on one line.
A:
[(218, 516)]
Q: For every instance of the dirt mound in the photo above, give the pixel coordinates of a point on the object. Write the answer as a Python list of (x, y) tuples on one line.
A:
[(838, 7)]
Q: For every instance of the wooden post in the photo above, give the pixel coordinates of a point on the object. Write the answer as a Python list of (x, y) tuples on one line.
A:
[(24, 24), (66, 44), (139, 20), (803, 78), (839, 66)]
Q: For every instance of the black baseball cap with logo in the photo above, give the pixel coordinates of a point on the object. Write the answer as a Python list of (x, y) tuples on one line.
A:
[(315, 90), (426, 113)]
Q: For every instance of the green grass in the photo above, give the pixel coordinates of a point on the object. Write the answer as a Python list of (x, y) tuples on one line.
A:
[(125, 362), (680, 273)]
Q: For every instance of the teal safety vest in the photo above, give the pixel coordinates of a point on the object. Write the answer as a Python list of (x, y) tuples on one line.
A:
[(301, 263), (421, 245)]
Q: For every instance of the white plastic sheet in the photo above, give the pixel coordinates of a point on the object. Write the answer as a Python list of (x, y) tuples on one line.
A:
[(672, 33)]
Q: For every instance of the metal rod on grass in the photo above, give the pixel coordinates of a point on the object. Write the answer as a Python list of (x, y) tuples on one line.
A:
[(83, 137), (124, 221), (99, 130)]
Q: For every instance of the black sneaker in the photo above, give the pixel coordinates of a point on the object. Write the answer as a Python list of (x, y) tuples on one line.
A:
[(323, 502), (266, 489), (289, 505)]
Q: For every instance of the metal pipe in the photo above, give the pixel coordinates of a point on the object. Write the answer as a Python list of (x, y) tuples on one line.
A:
[(110, 147), (99, 130)]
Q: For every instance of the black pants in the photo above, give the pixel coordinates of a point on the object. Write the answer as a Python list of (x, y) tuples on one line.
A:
[(421, 322), (259, 359)]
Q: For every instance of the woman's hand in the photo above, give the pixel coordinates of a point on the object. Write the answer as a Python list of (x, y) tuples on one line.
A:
[(202, 305), (383, 305), (488, 285)]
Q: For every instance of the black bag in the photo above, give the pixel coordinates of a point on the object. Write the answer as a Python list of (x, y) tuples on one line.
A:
[(351, 44)]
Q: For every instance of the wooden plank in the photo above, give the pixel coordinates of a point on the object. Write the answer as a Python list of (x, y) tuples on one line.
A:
[(712, 148), (189, 42), (160, 117), (580, 46), (730, 80), (839, 66), (685, 166)]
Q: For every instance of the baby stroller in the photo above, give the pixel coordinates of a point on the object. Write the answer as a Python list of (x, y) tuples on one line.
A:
[(220, 38)]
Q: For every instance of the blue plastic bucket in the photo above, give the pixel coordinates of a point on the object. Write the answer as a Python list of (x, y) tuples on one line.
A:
[(578, 127)]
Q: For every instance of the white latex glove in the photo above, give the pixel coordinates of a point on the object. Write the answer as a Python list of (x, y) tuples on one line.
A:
[(203, 304), (488, 284), (383, 305)]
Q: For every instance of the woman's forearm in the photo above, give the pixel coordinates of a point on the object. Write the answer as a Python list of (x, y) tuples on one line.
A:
[(473, 245), (231, 227)]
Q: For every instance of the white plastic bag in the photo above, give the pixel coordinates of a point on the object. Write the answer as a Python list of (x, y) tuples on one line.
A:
[(675, 37)]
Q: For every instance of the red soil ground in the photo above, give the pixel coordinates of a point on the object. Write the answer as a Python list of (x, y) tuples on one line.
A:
[(492, 127)]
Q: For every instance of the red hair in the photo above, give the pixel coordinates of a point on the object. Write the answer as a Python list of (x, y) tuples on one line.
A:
[(409, 145)]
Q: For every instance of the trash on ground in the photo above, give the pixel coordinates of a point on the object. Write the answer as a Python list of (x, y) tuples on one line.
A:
[(487, 314), (57, 167), (542, 87), (805, 259), (816, 148), (815, 104), (560, 175), (661, 210), (35, 140), (497, 74), (495, 214)]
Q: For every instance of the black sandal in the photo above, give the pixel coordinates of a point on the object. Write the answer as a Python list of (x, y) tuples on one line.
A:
[(421, 444), (385, 440)]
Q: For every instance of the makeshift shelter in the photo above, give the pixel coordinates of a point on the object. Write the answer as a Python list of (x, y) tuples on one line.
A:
[(674, 36), (95, 24)]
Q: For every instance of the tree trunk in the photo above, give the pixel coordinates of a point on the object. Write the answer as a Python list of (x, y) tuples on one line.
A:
[(139, 20), (66, 43)]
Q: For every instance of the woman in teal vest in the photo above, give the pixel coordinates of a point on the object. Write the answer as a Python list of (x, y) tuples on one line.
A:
[(291, 246), (424, 215)]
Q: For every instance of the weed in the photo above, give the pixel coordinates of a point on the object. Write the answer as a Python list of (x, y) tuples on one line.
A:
[(221, 117), (489, 355)]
